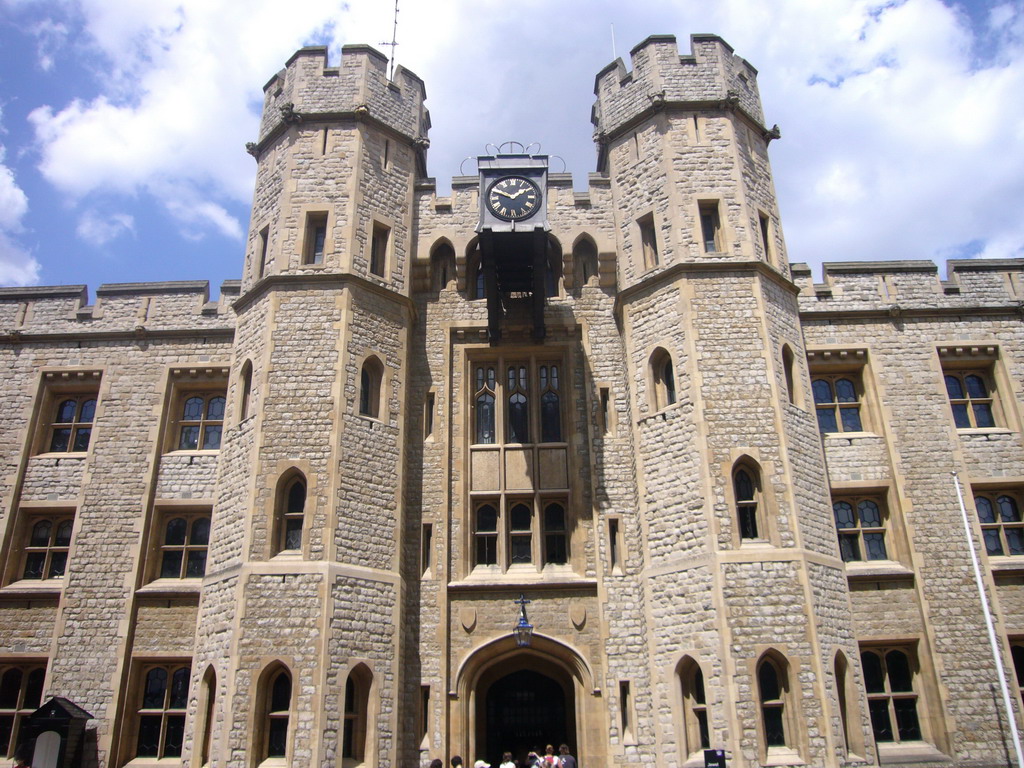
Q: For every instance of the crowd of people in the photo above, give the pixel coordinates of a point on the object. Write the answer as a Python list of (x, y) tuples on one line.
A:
[(533, 760)]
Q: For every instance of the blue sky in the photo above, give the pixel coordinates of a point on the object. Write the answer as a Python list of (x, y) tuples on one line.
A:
[(123, 123)]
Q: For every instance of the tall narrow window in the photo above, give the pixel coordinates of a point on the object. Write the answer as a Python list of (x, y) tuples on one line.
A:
[(520, 534), (772, 685), (424, 712), (291, 510), (207, 705), (710, 226), (276, 714), (370, 378), (426, 546), (428, 416), (1001, 524), (584, 257), (518, 422), (316, 238), (648, 241), (264, 242), (746, 488), (357, 699), (889, 679), (663, 379), (161, 714), (625, 710), (379, 249), (550, 411), (485, 534), (484, 404), (605, 412), (765, 223), (555, 535), (246, 387), (695, 707), (614, 545), (787, 367), (1017, 652), (849, 707), (21, 693)]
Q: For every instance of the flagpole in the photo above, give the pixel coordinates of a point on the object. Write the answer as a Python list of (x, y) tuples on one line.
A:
[(996, 655)]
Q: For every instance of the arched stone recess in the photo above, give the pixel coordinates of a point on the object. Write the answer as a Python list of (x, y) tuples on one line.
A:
[(359, 706), (495, 660), (442, 271)]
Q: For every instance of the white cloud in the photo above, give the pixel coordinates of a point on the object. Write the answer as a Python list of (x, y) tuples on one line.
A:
[(903, 126), (98, 230), (17, 266), (50, 37)]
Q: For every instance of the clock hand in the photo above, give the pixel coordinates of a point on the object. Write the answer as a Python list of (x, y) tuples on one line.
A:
[(506, 194)]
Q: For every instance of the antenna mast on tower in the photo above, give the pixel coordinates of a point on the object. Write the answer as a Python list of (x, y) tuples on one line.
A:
[(393, 43)]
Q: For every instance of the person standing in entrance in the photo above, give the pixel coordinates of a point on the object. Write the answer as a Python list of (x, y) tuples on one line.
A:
[(550, 760), (506, 761), (567, 760), (457, 761)]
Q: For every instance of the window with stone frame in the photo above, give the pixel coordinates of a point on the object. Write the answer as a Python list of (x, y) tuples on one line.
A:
[(290, 512), (838, 379), (273, 713), (648, 241), (696, 735), (161, 697), (890, 679), (746, 483), (182, 538), (861, 523), (837, 402), (45, 543), (1017, 654), (371, 381), (775, 701), (971, 397), (999, 513), (711, 226), (196, 408), (379, 240), (519, 518), (315, 239), (201, 421), (21, 694), (67, 410)]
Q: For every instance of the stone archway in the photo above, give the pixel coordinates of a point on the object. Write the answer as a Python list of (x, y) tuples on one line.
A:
[(544, 693)]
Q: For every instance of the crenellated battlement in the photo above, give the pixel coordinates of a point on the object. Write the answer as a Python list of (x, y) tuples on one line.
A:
[(308, 88), (896, 286), (137, 308), (660, 77)]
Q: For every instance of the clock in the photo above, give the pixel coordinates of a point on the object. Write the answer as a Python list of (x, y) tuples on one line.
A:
[(513, 198)]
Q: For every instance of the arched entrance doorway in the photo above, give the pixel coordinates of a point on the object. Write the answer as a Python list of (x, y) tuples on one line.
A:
[(522, 703), (523, 711)]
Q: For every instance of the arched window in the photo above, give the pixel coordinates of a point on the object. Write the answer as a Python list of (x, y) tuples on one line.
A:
[(1001, 524), (183, 547), (483, 405), (370, 378), (584, 260), (46, 551), (442, 266), (773, 696), (275, 704), (696, 735), (291, 513), (518, 405), (746, 483), (357, 703), (550, 410), (788, 364), (663, 379), (243, 404), (72, 424), (485, 535), (837, 401)]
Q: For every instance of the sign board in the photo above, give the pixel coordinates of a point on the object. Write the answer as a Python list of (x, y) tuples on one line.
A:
[(714, 758)]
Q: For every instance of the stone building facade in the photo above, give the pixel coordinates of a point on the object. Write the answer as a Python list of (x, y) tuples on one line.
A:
[(290, 527)]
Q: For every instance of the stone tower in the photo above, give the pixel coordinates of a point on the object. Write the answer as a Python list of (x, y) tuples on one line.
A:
[(303, 604), (744, 594)]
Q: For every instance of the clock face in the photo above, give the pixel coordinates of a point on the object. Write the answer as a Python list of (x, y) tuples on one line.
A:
[(513, 198)]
